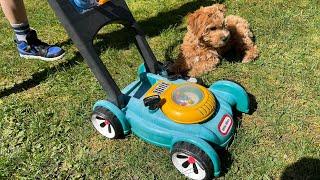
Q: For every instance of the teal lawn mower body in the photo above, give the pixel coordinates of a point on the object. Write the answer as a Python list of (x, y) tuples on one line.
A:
[(155, 128), (192, 145)]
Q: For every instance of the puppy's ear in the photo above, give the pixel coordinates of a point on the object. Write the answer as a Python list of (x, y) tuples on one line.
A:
[(194, 23), (220, 7)]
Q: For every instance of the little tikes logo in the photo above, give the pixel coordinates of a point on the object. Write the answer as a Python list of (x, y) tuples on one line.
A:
[(225, 124)]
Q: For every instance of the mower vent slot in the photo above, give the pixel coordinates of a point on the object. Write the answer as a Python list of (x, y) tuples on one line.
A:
[(161, 87)]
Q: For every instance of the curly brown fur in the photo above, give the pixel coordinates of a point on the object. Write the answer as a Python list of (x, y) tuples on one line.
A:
[(209, 37)]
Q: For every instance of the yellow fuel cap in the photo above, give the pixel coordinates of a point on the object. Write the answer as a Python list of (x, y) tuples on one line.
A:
[(187, 103), (102, 1)]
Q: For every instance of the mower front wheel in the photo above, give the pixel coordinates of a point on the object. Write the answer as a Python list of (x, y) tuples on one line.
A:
[(191, 161), (106, 123)]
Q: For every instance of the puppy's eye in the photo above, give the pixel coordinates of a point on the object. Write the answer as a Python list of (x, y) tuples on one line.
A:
[(212, 28)]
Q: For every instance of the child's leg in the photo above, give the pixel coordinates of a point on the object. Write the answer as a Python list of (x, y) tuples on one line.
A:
[(14, 11)]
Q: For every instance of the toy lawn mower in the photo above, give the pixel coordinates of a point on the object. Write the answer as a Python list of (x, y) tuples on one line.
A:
[(168, 111)]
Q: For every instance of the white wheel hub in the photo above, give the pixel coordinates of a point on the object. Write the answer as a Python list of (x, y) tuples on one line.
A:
[(188, 166), (103, 126)]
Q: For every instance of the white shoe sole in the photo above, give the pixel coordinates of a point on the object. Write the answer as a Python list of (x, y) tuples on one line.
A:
[(42, 58)]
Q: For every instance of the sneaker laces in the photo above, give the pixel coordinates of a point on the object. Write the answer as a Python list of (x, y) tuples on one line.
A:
[(32, 39), (37, 44)]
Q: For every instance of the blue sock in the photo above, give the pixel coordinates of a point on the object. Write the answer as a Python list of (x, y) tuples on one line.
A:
[(21, 30)]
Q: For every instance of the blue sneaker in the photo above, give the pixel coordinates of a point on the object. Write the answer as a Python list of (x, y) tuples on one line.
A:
[(36, 49)]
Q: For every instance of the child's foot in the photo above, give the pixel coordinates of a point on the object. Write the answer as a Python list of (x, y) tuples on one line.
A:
[(33, 48)]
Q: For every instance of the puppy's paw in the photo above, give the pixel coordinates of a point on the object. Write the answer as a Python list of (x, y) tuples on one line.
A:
[(251, 54)]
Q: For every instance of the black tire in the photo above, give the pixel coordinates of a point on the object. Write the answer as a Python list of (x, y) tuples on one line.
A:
[(106, 123), (191, 161)]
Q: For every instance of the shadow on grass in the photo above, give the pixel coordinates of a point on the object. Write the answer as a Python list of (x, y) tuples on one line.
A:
[(226, 161), (306, 169), (234, 56), (40, 76), (253, 106)]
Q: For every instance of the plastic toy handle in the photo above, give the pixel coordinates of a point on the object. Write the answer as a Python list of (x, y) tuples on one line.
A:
[(152, 102), (148, 101)]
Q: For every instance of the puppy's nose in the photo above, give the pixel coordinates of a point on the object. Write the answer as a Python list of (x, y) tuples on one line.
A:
[(225, 38)]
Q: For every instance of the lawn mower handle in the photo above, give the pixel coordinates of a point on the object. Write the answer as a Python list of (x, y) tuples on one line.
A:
[(82, 28)]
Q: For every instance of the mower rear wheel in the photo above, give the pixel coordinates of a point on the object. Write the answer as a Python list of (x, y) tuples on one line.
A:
[(106, 123)]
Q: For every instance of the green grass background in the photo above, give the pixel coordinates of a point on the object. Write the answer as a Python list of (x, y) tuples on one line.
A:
[(45, 107)]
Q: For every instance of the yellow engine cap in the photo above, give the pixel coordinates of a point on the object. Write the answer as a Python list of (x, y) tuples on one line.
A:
[(101, 2), (188, 103)]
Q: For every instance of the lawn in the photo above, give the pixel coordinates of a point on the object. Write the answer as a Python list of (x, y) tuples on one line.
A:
[(45, 107)]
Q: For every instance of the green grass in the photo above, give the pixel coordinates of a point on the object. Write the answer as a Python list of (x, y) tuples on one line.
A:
[(44, 127)]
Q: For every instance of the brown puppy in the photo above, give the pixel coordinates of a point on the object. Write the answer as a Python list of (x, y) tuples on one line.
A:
[(209, 37)]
